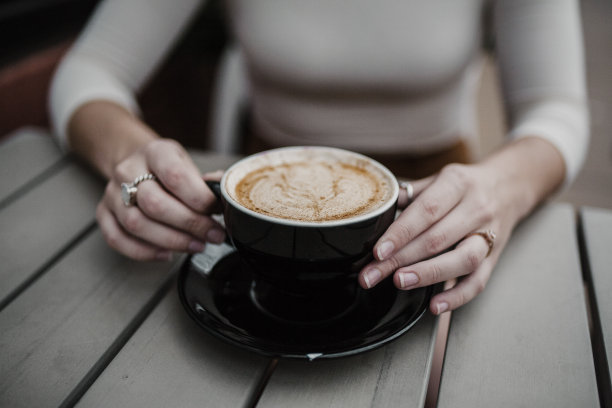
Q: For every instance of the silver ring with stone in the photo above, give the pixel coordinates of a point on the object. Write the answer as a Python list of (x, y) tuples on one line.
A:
[(129, 190)]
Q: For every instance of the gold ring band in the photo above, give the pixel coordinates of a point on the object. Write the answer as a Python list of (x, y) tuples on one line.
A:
[(488, 236)]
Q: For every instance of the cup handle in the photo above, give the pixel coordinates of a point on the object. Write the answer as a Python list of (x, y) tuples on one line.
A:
[(215, 187)]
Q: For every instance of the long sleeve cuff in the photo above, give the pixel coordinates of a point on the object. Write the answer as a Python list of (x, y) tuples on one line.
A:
[(78, 81), (564, 124)]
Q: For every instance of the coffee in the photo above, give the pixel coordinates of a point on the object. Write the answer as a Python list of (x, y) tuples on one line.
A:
[(314, 188)]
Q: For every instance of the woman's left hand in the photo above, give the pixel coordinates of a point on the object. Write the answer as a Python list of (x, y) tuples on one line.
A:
[(429, 243)]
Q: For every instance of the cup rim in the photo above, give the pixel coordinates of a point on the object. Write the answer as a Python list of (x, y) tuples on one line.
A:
[(319, 224)]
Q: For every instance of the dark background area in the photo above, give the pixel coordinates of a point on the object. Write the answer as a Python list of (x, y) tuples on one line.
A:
[(35, 34)]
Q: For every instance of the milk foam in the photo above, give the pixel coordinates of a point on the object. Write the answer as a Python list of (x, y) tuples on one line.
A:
[(316, 189)]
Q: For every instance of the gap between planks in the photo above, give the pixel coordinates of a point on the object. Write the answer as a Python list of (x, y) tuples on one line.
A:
[(107, 357), (76, 240), (602, 370)]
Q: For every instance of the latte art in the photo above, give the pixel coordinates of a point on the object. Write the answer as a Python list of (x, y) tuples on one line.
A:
[(313, 190)]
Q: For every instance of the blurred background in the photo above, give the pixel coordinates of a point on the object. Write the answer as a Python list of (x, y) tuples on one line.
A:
[(34, 34)]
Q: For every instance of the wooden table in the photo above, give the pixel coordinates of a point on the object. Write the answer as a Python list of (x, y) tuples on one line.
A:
[(82, 325)]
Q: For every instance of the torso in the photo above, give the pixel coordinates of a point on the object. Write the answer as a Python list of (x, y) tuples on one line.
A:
[(354, 59)]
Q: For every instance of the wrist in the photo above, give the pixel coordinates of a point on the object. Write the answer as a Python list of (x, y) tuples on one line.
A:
[(129, 135), (524, 173), (104, 134)]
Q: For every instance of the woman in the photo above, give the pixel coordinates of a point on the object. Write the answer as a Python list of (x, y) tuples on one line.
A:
[(394, 80)]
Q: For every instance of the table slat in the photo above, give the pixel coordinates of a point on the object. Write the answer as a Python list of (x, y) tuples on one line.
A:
[(524, 341), (24, 155), (393, 376), (54, 333), (597, 227), (171, 362), (41, 222)]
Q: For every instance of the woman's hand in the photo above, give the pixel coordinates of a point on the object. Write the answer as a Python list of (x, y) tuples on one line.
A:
[(430, 241), (170, 213)]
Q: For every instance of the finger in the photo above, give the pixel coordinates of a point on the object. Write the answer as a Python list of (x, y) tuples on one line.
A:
[(178, 174), (159, 205), (444, 234), (137, 224), (466, 290), (462, 260), (441, 236), (213, 175), (125, 244), (417, 188), (430, 206)]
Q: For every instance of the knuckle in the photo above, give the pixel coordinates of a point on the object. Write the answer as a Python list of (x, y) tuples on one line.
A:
[(162, 147), (404, 232), (178, 242), (484, 207), (151, 204), (156, 146), (479, 286), (173, 177), (430, 208), (391, 264), (435, 243), (112, 238), (435, 273), (457, 173), (121, 171), (132, 221), (151, 148), (195, 224), (170, 144), (472, 260), (463, 298)]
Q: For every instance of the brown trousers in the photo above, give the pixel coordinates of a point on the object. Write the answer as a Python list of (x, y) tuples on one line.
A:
[(402, 165)]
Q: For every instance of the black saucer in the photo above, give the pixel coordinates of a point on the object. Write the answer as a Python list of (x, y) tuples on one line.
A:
[(215, 288)]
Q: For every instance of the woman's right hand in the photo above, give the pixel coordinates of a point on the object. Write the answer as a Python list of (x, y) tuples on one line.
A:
[(171, 213)]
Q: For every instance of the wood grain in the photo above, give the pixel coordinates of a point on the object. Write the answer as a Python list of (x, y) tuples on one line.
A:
[(524, 341), (392, 376), (25, 155)]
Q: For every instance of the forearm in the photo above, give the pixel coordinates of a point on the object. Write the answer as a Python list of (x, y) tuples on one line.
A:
[(524, 173), (104, 133)]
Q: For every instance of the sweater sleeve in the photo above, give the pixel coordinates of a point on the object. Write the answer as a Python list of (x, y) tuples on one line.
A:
[(540, 52), (121, 47)]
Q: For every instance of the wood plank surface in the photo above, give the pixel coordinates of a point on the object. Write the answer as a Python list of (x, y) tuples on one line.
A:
[(55, 333), (62, 329), (597, 225), (24, 155), (392, 376), (42, 221), (524, 341), (171, 362)]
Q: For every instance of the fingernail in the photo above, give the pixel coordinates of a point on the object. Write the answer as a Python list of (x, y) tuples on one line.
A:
[(163, 256), (215, 235), (408, 279), (372, 277), (442, 307), (384, 250), (195, 246)]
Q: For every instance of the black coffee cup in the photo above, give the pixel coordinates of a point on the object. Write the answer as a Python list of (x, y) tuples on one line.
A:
[(305, 270)]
